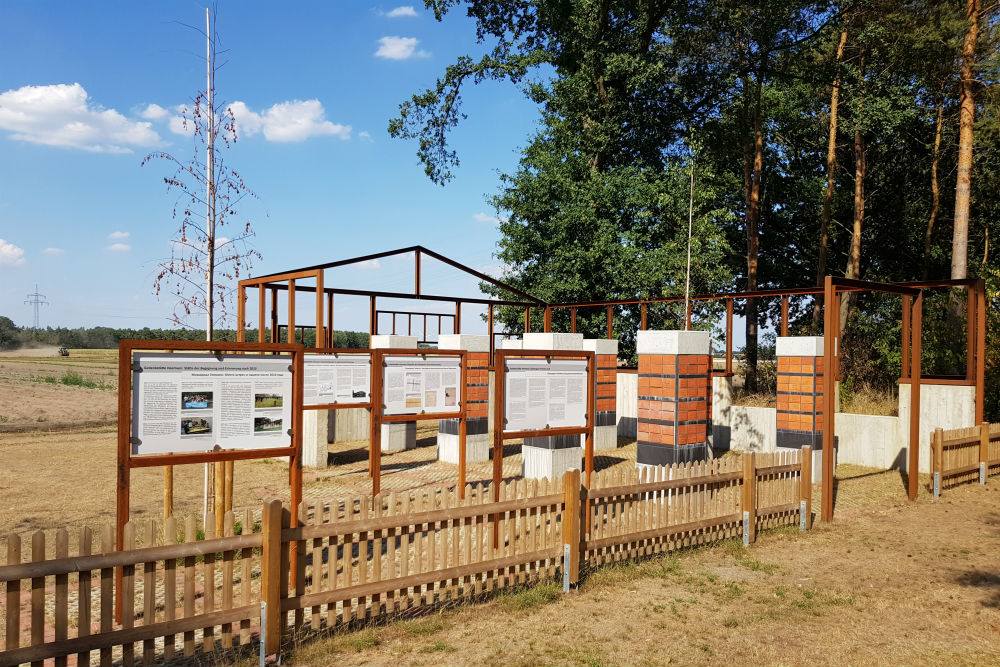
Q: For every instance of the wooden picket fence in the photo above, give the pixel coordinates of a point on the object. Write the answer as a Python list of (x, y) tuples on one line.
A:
[(370, 557), (964, 455)]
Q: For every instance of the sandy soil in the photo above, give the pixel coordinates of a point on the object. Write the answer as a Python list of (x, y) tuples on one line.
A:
[(890, 582)]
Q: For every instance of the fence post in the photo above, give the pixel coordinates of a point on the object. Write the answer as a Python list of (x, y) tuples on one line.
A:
[(270, 574), (937, 460), (984, 451), (805, 489), (571, 527), (749, 498)]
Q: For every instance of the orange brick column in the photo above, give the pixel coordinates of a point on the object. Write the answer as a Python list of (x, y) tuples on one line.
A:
[(674, 388), (476, 395), (800, 391)]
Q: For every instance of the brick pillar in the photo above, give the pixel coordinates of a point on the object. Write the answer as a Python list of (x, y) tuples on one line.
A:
[(800, 395), (551, 456), (399, 436), (674, 387), (606, 421), (477, 401)]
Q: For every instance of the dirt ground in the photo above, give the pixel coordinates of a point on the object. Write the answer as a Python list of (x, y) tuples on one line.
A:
[(889, 582), (39, 390)]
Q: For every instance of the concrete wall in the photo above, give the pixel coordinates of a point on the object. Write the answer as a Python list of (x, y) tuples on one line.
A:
[(941, 406), (722, 400), (869, 440), (348, 424), (627, 403), (753, 429)]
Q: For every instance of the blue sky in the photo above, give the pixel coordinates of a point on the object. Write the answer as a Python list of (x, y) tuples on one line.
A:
[(317, 83)]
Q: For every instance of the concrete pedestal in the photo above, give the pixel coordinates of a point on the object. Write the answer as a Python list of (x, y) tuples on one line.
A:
[(315, 444), (540, 462), (722, 401), (674, 388), (396, 437)]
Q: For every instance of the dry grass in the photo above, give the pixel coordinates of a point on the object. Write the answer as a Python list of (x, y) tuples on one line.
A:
[(870, 400), (755, 400)]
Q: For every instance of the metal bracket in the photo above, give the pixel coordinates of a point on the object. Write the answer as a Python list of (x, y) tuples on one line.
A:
[(566, 568), (291, 368), (937, 485), (136, 368), (802, 515), (746, 529), (982, 472), (263, 633), (134, 441), (290, 432)]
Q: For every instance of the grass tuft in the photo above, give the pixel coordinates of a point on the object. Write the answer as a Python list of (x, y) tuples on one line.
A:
[(531, 598)]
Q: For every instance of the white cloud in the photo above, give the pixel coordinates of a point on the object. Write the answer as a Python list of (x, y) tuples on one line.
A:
[(368, 264), (154, 112), (119, 247), (405, 10), (53, 251), (62, 115), (296, 120), (495, 271), (11, 255), (177, 125), (118, 235), (488, 219), (365, 135), (399, 48)]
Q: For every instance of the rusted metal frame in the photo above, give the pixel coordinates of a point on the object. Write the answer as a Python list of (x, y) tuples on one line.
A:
[(905, 335), (547, 324), (610, 310), (500, 433), (274, 315), (729, 337), (970, 333), (481, 276), (241, 316), (784, 315), (372, 318), (378, 416), (320, 339), (489, 331), (416, 272), (980, 350), (404, 295), (687, 315), (457, 322), (291, 311), (409, 324), (393, 332), (341, 262), (527, 319), (329, 320), (913, 466), (261, 309), (279, 278), (126, 347), (643, 307), (831, 327)]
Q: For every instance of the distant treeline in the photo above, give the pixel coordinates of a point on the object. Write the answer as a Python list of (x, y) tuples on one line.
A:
[(12, 336)]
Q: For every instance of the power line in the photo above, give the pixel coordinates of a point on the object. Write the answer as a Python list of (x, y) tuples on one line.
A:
[(36, 300)]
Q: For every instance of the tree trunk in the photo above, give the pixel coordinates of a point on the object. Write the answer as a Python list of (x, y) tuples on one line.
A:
[(960, 237), (935, 190), (847, 300), (831, 166), (753, 241)]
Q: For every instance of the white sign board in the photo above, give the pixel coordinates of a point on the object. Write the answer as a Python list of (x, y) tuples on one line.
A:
[(194, 403), (540, 394), (340, 378), (411, 385)]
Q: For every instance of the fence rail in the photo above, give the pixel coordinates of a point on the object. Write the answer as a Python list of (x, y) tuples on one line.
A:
[(373, 556), (964, 455)]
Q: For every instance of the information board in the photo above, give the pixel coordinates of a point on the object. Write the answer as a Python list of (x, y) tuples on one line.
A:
[(541, 394), (341, 378), (411, 385), (197, 402)]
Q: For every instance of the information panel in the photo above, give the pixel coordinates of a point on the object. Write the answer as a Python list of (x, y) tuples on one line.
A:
[(195, 403), (411, 385), (342, 378), (540, 394)]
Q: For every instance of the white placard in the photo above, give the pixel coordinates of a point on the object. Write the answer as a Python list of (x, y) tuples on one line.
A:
[(540, 394), (340, 378), (411, 385), (197, 402)]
